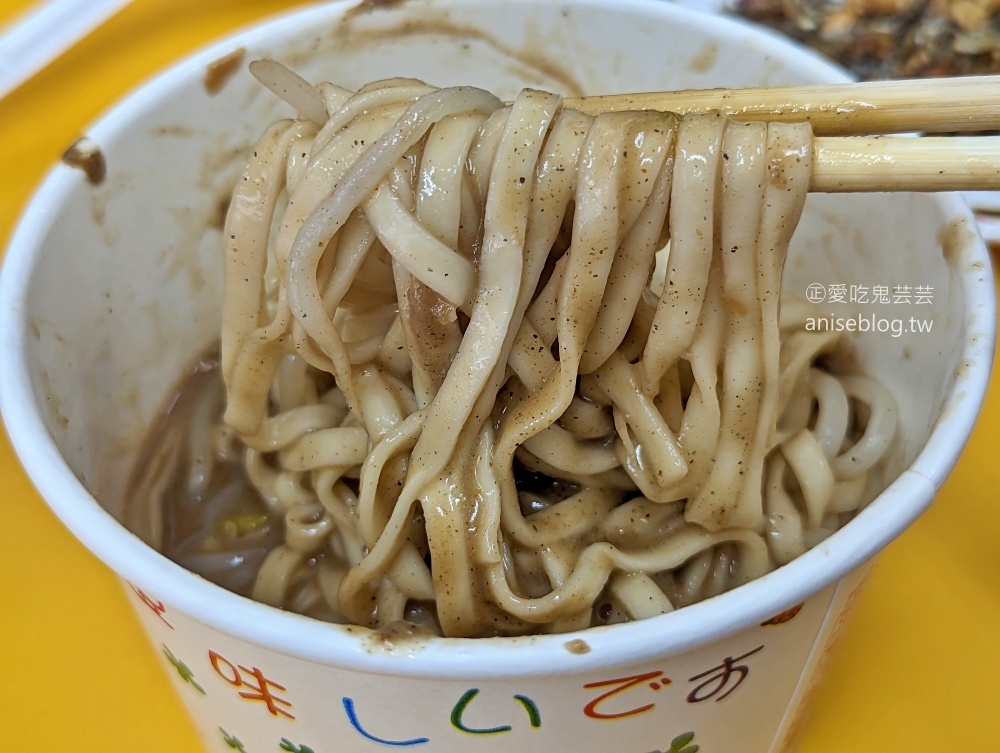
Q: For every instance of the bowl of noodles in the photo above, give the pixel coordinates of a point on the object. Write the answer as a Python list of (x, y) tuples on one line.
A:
[(415, 408)]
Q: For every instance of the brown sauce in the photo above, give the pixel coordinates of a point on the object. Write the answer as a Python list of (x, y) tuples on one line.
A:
[(87, 156)]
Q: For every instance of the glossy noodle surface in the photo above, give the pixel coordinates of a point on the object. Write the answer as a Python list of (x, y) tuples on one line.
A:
[(498, 369)]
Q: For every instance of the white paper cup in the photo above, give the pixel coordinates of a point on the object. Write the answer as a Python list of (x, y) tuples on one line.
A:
[(109, 290)]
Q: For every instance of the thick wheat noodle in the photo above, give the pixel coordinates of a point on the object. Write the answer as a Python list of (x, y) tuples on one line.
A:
[(470, 398)]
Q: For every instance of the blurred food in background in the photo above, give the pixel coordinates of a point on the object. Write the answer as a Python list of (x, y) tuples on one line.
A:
[(879, 39)]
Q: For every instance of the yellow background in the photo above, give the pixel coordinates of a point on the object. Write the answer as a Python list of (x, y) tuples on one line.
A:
[(917, 670)]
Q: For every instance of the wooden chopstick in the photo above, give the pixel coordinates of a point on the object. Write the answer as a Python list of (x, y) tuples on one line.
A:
[(843, 159), (942, 105), (898, 163)]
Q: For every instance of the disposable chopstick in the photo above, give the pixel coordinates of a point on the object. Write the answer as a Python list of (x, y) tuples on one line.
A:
[(898, 163), (844, 160), (942, 105), (38, 37)]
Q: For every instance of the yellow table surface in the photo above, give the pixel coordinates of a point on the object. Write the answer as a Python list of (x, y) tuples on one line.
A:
[(917, 670)]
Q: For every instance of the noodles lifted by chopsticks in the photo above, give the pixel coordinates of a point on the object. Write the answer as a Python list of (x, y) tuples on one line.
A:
[(562, 393)]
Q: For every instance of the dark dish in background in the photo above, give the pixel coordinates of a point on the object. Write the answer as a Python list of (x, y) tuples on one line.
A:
[(880, 39)]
